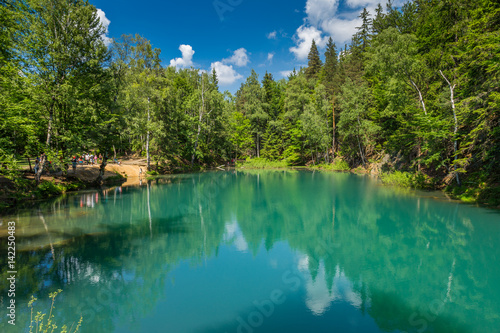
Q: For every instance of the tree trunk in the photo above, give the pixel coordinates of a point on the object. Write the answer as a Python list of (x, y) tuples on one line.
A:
[(455, 145), (41, 165), (419, 152), (148, 157), (49, 127), (420, 97), (29, 162), (199, 122), (102, 168), (359, 145), (334, 128), (258, 145), (149, 213)]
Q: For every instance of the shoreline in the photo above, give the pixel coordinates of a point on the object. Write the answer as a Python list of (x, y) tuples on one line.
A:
[(368, 172), (129, 175)]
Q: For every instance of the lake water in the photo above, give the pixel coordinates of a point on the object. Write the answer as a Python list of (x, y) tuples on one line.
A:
[(263, 251)]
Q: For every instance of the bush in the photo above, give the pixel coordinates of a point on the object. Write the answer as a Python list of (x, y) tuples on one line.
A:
[(46, 188), (262, 163), (406, 179), (337, 165), (476, 192), (398, 178)]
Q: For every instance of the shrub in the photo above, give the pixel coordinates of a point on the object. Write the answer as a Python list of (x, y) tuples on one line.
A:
[(337, 165), (263, 163), (42, 324), (46, 188), (398, 178)]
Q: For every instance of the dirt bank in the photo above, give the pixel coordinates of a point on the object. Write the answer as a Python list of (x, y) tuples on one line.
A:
[(127, 168)]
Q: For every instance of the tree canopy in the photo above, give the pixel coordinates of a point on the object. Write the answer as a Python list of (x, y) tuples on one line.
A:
[(420, 82)]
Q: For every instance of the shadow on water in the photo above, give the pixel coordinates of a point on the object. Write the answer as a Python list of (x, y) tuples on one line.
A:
[(388, 312), (392, 313)]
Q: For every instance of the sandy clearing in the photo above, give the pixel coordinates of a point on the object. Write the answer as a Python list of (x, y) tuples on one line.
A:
[(127, 168)]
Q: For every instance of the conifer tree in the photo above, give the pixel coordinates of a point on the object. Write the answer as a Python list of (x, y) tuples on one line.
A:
[(331, 62), (331, 81), (364, 30), (378, 23), (314, 65)]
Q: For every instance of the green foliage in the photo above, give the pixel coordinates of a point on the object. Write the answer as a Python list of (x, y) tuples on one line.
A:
[(382, 93), (240, 134), (398, 178), (48, 188), (357, 128), (41, 323), (262, 163), (416, 180), (337, 165), (476, 188), (314, 65), (9, 166)]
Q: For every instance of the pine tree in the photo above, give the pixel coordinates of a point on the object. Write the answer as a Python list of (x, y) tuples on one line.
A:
[(249, 102), (215, 80), (314, 65), (364, 31), (379, 21), (332, 81), (330, 68)]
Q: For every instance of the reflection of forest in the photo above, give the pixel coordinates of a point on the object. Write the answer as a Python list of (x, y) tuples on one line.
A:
[(388, 253)]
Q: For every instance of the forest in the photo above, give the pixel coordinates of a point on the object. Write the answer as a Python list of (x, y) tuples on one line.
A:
[(418, 86)]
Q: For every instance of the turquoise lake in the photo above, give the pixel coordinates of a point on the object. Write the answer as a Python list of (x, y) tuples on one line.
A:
[(257, 251)]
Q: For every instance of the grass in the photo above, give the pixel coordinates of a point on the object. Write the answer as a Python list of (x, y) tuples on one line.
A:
[(262, 163), (397, 178), (416, 180), (337, 165)]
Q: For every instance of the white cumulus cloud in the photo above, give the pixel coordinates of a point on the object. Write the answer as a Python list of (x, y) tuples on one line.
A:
[(303, 40), (369, 3), (325, 16), (272, 35), (187, 57), (239, 58), (341, 30), (270, 56), (225, 73), (321, 10), (105, 23), (286, 73)]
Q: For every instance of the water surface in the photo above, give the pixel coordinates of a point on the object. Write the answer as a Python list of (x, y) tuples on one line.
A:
[(264, 251)]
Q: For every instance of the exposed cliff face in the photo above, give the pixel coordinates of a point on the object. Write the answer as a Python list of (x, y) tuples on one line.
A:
[(386, 164)]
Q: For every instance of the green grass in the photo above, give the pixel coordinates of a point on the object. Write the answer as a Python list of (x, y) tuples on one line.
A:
[(416, 180), (262, 163), (337, 165), (397, 178)]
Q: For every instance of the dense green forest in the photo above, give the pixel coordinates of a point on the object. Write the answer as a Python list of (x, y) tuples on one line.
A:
[(419, 84)]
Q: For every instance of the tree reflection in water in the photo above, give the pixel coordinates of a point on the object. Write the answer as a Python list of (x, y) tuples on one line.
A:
[(392, 255)]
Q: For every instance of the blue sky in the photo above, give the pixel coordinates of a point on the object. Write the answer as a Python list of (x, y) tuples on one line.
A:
[(234, 36)]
